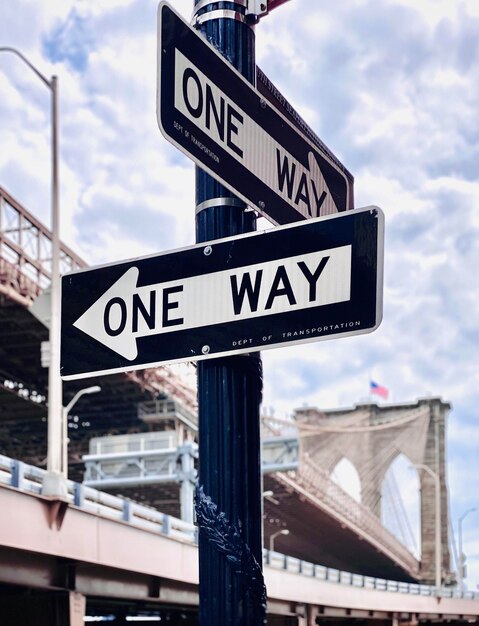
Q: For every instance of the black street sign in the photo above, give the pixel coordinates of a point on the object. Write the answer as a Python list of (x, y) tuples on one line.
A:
[(313, 280), (212, 114)]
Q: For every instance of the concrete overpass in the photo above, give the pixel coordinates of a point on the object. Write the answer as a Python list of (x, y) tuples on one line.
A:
[(97, 548)]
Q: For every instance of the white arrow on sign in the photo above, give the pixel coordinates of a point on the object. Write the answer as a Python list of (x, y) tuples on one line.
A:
[(126, 312)]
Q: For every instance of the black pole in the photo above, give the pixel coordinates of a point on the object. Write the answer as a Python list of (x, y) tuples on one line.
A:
[(228, 498)]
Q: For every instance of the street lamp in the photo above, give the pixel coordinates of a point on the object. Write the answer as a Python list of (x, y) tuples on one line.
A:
[(53, 483), (437, 524), (284, 531), (65, 411), (462, 556), (269, 496)]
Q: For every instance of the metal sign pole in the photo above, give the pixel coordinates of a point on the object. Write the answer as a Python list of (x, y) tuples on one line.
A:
[(228, 496)]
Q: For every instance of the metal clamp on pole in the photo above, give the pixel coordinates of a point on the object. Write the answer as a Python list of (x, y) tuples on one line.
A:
[(257, 8), (239, 14), (217, 202), (254, 10)]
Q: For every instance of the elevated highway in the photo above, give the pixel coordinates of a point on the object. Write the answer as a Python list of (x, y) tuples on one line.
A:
[(103, 548)]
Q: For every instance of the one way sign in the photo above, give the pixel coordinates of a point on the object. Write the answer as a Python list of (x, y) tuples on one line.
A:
[(314, 280), (211, 113)]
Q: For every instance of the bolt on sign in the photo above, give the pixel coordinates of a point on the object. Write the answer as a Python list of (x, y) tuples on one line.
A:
[(313, 280)]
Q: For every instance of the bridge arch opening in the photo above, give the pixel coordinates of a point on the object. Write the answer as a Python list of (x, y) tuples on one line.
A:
[(401, 503), (346, 476)]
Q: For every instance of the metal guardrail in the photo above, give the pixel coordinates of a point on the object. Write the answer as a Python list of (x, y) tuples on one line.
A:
[(29, 478), (155, 458), (131, 442), (147, 467), (297, 566)]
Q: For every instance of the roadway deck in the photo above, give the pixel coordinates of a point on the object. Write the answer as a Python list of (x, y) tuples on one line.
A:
[(112, 549)]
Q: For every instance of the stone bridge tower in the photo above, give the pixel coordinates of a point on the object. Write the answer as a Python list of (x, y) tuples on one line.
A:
[(371, 437)]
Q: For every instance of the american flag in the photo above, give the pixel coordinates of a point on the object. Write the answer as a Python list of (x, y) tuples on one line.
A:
[(378, 390)]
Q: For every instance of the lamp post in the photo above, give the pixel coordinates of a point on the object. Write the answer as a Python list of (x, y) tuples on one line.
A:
[(284, 531), (269, 495), (65, 411), (462, 557), (437, 524), (53, 484)]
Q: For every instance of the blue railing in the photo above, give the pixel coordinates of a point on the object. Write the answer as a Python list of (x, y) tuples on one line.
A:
[(29, 478), (321, 572)]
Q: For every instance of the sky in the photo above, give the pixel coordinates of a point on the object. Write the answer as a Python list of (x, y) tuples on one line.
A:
[(391, 86)]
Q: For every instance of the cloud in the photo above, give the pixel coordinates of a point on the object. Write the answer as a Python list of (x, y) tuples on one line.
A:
[(70, 41)]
